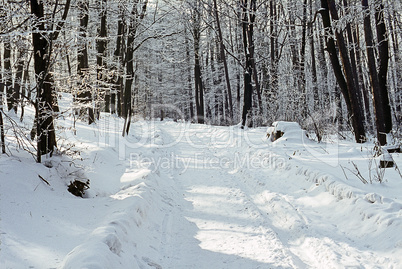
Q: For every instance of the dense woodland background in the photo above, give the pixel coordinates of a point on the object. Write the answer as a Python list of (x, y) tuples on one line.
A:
[(328, 65)]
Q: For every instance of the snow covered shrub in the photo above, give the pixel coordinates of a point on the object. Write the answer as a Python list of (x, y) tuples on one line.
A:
[(292, 130)]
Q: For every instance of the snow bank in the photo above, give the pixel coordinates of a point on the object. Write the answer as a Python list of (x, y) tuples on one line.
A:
[(177, 195), (286, 131)]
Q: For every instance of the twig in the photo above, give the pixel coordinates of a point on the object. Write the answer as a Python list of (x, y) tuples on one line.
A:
[(397, 169), (343, 169), (44, 180), (359, 175), (356, 173)]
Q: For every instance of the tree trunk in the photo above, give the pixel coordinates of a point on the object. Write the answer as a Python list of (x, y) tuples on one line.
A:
[(346, 83), (225, 65), (383, 56), (398, 71), (8, 83), (129, 60), (274, 56), (18, 81), (302, 64), (357, 114), (324, 69), (313, 62), (44, 82), (199, 87), (362, 85), (84, 95), (377, 89), (2, 139), (248, 71), (190, 112), (101, 46), (119, 65), (251, 48)]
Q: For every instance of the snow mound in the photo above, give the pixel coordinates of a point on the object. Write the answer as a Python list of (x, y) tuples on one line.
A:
[(286, 131)]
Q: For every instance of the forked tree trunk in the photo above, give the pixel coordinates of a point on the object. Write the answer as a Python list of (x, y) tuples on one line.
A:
[(346, 82), (378, 85), (135, 19), (225, 65)]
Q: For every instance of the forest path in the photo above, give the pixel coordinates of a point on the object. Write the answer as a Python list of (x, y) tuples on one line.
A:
[(232, 213)]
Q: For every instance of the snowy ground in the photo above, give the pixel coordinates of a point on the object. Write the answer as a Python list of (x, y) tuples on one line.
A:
[(179, 195)]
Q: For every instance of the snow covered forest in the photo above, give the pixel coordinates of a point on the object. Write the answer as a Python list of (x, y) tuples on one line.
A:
[(319, 63), (201, 133)]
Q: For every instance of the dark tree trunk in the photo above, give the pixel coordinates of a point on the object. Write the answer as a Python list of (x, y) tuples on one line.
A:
[(354, 94), (132, 29), (274, 54), (383, 57), (352, 52), (18, 81), (2, 139), (313, 62), (362, 85), (398, 64), (129, 61), (248, 71), (199, 87), (26, 88), (118, 76), (44, 83), (368, 34), (7, 75), (101, 46), (302, 64), (346, 83), (324, 69), (84, 95), (225, 65), (380, 101), (251, 48), (189, 114)]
